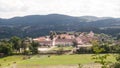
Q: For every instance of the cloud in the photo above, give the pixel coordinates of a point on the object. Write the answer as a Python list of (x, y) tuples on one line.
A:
[(11, 8), (10, 5)]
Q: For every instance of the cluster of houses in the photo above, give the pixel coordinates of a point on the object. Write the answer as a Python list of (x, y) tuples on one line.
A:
[(83, 39)]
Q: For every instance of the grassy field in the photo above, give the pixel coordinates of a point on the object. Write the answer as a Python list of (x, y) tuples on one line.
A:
[(6, 61), (52, 60), (62, 59)]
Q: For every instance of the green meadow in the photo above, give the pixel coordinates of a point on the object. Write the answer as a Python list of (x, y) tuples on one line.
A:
[(46, 60), (63, 59)]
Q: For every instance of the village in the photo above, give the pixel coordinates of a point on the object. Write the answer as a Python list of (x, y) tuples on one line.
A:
[(81, 40)]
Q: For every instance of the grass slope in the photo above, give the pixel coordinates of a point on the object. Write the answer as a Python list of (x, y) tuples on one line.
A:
[(37, 60), (62, 60), (6, 61)]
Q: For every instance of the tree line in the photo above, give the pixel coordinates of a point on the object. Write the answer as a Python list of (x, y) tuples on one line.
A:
[(17, 45)]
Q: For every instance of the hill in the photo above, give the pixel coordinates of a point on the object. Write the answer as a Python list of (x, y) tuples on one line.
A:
[(38, 25)]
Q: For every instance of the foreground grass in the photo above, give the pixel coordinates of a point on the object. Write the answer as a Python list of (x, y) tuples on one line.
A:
[(52, 60), (62, 60), (7, 61)]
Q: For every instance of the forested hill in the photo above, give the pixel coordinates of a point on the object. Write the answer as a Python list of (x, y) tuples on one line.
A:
[(38, 25)]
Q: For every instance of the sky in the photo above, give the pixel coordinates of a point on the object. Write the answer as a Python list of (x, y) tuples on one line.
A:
[(99, 8)]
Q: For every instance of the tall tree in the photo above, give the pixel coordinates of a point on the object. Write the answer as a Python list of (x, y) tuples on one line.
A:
[(34, 47), (6, 47), (16, 41)]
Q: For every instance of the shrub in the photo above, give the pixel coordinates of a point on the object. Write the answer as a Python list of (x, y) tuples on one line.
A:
[(14, 62), (79, 66), (0, 65), (24, 58), (101, 59), (49, 56), (29, 57), (27, 52), (5, 60), (8, 64), (115, 65)]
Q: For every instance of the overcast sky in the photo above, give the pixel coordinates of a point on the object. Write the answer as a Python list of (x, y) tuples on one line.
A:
[(100, 8)]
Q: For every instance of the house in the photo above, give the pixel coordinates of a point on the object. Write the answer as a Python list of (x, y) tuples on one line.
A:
[(65, 36), (46, 43), (43, 38), (64, 42), (85, 38), (91, 34), (117, 42), (79, 41)]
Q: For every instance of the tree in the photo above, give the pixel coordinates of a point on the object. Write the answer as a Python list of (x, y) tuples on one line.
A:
[(52, 34), (117, 63), (106, 47), (26, 45), (75, 43), (34, 47), (101, 59), (16, 41), (6, 47)]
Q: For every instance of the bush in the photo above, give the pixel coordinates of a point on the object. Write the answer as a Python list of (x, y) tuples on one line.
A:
[(115, 65), (4, 59), (60, 50), (29, 57), (83, 50), (49, 56), (14, 62), (24, 58), (27, 52), (8, 64), (79, 66)]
